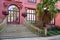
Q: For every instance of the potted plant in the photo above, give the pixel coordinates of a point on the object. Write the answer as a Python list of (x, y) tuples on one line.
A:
[(5, 12), (24, 14)]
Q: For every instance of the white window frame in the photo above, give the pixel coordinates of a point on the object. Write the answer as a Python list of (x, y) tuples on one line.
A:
[(31, 16)]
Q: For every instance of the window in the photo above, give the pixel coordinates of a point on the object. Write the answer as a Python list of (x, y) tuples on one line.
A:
[(31, 15), (53, 21), (34, 1)]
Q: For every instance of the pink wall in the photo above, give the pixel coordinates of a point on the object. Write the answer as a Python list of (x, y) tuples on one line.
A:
[(58, 4), (1, 8), (57, 19)]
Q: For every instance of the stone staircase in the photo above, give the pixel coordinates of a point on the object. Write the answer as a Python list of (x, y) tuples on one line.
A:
[(16, 31)]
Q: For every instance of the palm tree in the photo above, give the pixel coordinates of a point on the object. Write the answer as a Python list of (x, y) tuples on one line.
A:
[(46, 11)]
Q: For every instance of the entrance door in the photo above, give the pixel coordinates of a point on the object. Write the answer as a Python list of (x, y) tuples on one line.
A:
[(13, 17)]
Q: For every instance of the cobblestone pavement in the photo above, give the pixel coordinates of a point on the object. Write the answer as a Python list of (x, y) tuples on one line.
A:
[(13, 31)]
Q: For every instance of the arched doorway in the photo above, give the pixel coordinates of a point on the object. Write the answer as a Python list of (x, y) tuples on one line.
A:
[(13, 17)]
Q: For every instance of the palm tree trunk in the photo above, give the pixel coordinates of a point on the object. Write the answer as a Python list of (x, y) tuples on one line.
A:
[(45, 31)]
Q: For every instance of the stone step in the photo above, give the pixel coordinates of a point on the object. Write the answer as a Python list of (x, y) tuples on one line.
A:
[(17, 31)]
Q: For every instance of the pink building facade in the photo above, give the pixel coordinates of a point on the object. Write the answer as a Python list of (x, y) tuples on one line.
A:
[(23, 6), (17, 7)]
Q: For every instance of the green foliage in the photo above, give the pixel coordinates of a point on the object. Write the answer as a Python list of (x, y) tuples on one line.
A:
[(50, 6), (53, 31)]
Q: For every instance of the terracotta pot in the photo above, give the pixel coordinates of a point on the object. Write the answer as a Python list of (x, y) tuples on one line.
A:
[(5, 13), (24, 14)]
